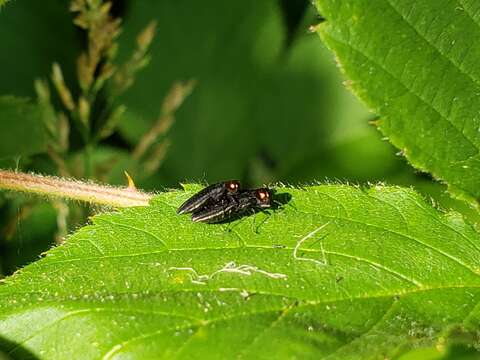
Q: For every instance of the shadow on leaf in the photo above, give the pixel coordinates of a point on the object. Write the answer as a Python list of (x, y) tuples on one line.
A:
[(12, 350)]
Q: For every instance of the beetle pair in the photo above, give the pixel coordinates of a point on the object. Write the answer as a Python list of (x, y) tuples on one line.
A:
[(225, 201)]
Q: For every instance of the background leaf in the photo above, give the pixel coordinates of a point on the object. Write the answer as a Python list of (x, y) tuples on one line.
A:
[(268, 105), (22, 129), (28, 231), (227, 58), (413, 65), (33, 35), (399, 274)]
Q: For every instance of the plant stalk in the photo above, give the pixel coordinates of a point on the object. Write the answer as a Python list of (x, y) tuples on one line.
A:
[(73, 189)]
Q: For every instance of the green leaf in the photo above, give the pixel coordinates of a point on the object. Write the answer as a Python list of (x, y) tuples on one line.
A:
[(414, 63), (22, 129), (147, 283)]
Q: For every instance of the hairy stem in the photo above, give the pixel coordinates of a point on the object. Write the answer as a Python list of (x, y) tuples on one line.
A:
[(73, 189)]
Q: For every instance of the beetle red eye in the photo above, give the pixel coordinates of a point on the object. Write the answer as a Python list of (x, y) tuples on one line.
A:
[(233, 186), (263, 195)]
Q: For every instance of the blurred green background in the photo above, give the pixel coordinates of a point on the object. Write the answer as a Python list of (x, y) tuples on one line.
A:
[(269, 105)]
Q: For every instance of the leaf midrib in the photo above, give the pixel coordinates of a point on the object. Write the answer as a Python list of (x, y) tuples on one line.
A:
[(306, 301)]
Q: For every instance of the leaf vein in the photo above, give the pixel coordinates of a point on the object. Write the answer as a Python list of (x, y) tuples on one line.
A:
[(134, 228), (424, 38), (392, 306), (379, 266)]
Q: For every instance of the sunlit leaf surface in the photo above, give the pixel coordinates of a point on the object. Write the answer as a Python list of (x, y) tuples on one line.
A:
[(415, 63), (337, 272)]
